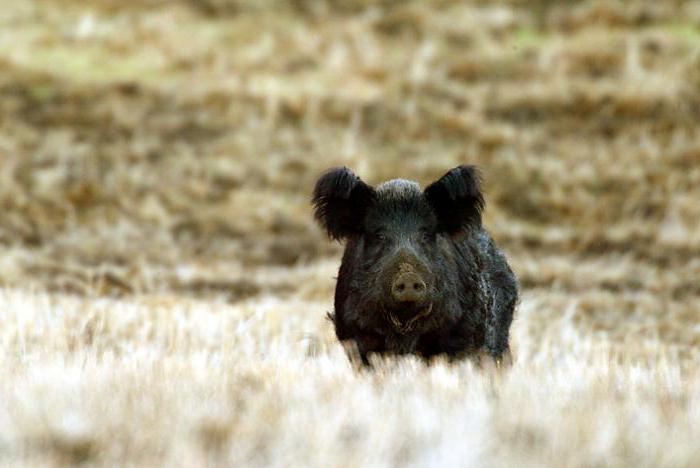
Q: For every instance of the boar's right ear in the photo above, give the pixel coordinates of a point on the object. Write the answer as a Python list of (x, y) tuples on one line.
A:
[(457, 200), (341, 200)]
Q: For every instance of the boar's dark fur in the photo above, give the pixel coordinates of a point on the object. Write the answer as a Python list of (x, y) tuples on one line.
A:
[(419, 273)]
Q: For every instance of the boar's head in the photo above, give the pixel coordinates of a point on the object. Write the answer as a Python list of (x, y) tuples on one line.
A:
[(399, 239)]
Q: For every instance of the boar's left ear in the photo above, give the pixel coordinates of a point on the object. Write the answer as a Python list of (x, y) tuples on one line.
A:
[(457, 200), (341, 200)]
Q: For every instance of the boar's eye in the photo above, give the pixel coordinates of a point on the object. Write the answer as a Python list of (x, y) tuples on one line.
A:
[(427, 237), (379, 236)]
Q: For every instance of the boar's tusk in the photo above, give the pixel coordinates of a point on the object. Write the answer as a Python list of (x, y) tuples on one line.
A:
[(409, 326), (397, 323)]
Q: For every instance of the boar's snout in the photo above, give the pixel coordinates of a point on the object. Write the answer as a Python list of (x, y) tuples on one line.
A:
[(408, 286)]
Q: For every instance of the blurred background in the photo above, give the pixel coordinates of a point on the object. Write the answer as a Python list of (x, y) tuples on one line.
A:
[(152, 146)]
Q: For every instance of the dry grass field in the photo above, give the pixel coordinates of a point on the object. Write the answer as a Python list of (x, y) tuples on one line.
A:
[(164, 287)]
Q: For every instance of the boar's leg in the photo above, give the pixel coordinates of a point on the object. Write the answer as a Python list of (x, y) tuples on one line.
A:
[(358, 348), (357, 343), (369, 343)]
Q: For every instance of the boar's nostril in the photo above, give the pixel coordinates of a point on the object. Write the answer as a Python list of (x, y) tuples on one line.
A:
[(408, 286)]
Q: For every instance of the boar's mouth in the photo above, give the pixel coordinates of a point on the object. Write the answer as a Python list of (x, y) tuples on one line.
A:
[(409, 325)]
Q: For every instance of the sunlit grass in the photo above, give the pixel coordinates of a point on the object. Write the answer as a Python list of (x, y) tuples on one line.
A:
[(264, 382)]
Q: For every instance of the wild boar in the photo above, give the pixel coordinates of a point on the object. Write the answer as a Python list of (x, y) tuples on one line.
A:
[(419, 273)]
